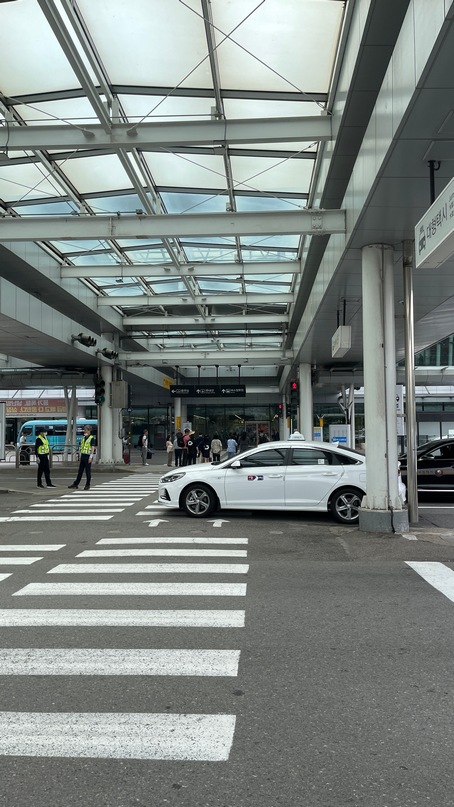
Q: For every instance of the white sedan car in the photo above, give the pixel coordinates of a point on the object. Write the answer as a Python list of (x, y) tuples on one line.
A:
[(283, 475)]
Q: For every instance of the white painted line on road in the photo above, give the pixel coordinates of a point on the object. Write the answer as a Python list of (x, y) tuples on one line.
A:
[(437, 574), (93, 661), (93, 618), (150, 568), (196, 737), (409, 536), (105, 508), (68, 509), (173, 540), (4, 576), (174, 553), (436, 507), (133, 590), (40, 517), (17, 561), (31, 547)]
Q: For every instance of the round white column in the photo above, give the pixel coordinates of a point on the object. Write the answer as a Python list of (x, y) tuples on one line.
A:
[(306, 402), (105, 423)]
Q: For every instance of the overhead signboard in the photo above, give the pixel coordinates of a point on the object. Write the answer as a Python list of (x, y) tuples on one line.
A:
[(35, 406), (434, 233), (208, 390)]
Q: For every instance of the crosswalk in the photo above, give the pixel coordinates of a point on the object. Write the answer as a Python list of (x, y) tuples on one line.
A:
[(124, 735), (100, 503)]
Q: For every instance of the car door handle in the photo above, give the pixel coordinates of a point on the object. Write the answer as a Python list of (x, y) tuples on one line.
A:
[(275, 476), (330, 473)]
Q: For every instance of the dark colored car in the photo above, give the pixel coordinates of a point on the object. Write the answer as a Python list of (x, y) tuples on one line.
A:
[(435, 463)]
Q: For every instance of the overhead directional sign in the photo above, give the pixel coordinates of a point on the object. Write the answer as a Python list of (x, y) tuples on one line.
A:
[(208, 390), (434, 233)]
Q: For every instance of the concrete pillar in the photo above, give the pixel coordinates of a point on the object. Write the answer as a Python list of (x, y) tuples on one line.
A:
[(381, 511), (177, 414), (306, 402), (284, 428), (105, 423), (117, 441)]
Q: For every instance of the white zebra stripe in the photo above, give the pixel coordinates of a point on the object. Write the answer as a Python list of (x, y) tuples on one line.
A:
[(132, 590), (172, 540), (187, 553), (94, 618), (196, 737), (30, 547), (150, 568), (18, 561), (93, 661)]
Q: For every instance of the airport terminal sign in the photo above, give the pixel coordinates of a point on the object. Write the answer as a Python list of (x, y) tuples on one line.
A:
[(208, 390), (434, 233), (16, 407)]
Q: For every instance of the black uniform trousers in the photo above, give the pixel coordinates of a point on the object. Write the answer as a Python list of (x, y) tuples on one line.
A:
[(43, 468), (84, 465)]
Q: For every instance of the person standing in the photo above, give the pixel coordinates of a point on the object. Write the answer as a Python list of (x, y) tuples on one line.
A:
[(232, 446), (169, 449), (144, 447), (205, 449), (42, 451), (190, 447), (178, 445), (216, 448), (243, 443), (87, 451)]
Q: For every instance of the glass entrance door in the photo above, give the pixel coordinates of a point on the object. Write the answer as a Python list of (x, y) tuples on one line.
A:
[(253, 428)]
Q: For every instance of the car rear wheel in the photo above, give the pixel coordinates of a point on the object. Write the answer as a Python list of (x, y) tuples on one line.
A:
[(198, 501), (345, 504)]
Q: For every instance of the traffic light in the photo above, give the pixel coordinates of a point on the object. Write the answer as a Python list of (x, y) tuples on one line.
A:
[(294, 397), (100, 390)]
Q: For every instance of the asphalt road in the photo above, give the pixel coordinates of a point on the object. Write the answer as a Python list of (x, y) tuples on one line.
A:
[(343, 692)]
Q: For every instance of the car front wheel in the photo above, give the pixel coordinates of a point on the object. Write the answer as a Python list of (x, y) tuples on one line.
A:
[(345, 504), (198, 501)]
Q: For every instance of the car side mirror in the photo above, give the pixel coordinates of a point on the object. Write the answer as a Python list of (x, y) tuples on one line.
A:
[(235, 464)]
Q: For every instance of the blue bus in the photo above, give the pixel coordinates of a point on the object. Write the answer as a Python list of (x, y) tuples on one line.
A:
[(56, 431)]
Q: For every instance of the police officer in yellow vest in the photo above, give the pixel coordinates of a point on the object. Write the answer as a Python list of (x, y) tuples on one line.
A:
[(87, 450), (42, 452)]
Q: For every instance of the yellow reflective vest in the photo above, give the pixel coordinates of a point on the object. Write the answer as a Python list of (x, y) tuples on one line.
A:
[(44, 447), (85, 444)]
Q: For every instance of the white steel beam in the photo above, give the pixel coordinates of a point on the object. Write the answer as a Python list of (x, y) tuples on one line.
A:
[(196, 322), (270, 222), (171, 135), (198, 299), (191, 358), (191, 269)]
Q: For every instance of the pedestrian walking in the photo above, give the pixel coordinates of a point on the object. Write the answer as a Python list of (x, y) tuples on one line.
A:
[(243, 443), (205, 449), (87, 451), (191, 448), (169, 449), (42, 451), (232, 446), (216, 448), (143, 443)]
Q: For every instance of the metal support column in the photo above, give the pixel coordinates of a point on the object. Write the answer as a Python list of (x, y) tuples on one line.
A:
[(105, 422), (410, 405)]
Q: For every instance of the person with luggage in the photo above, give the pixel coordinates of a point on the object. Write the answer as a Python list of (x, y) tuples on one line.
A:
[(216, 448)]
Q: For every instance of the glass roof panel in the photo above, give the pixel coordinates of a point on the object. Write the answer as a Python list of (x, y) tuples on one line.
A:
[(141, 39), (138, 242), (272, 255), (92, 174), (166, 108), (238, 108), (34, 62), (167, 286), (65, 110), (209, 286), (124, 203), (264, 173), (208, 254), (148, 255), (49, 209), (28, 181), (291, 40), (85, 246), (248, 203), (285, 241), (194, 202), (186, 170), (88, 259), (118, 290)]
